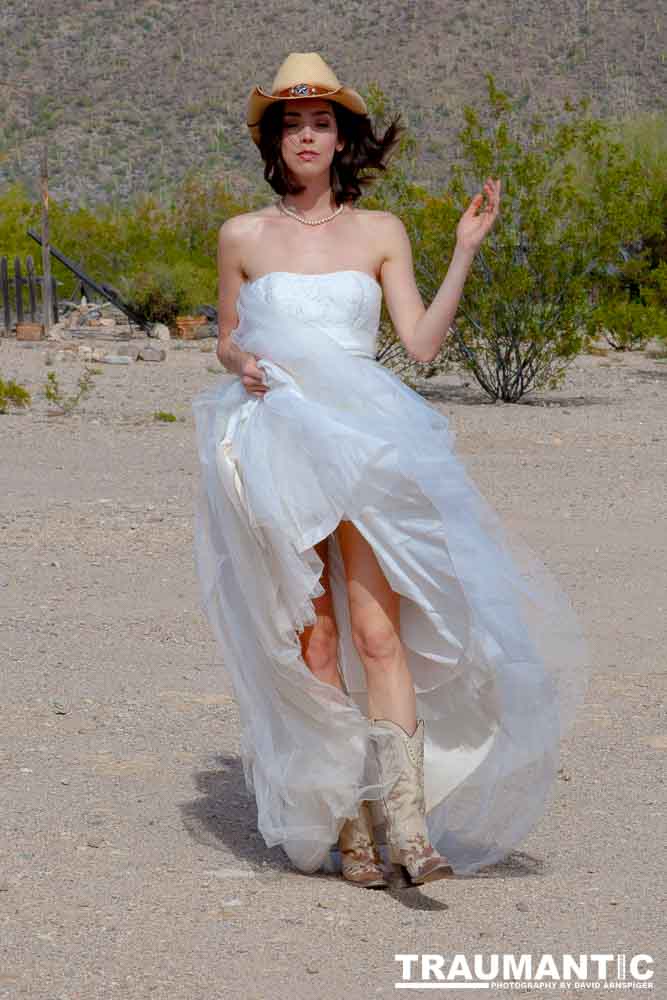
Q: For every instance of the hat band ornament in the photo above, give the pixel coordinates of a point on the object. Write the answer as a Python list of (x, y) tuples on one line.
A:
[(303, 90)]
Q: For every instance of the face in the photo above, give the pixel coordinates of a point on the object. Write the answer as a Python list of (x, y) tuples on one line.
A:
[(309, 127)]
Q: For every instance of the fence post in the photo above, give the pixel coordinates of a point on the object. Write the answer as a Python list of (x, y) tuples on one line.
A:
[(46, 256), (32, 288), (4, 293), (54, 299), (18, 288)]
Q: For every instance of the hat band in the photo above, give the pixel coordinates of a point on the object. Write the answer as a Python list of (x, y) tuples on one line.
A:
[(303, 90)]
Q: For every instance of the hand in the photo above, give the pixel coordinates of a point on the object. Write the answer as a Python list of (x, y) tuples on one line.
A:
[(253, 377), (476, 221)]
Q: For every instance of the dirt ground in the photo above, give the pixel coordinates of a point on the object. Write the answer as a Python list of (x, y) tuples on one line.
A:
[(130, 862)]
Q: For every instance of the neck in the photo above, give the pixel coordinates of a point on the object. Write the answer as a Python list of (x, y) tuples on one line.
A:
[(315, 201)]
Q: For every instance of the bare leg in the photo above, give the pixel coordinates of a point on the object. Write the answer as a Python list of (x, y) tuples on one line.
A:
[(319, 642), (375, 624)]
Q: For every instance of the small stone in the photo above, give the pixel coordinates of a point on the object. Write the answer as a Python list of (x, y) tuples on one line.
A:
[(130, 351), (152, 354), (59, 708), (115, 359), (159, 332), (522, 907), (95, 841)]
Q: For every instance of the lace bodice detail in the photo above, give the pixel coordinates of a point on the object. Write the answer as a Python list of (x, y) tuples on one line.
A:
[(347, 303)]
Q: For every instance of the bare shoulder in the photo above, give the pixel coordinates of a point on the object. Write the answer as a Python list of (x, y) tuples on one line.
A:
[(243, 225), (385, 226), (378, 216), (386, 232)]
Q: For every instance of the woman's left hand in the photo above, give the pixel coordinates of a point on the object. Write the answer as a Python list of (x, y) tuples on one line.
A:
[(476, 221)]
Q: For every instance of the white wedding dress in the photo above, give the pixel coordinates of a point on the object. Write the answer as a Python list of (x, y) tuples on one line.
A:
[(497, 655)]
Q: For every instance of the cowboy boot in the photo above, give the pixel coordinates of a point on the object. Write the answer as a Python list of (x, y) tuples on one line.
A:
[(360, 860), (407, 836)]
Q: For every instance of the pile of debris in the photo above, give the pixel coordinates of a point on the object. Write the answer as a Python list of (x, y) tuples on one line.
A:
[(94, 322), (85, 329)]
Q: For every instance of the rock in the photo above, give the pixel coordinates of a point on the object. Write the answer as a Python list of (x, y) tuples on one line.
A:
[(115, 359), (152, 354), (95, 841), (129, 350), (207, 330), (56, 331), (159, 332)]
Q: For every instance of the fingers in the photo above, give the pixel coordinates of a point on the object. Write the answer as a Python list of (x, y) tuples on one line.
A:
[(252, 378), (475, 205), (491, 192), (254, 385), (487, 201)]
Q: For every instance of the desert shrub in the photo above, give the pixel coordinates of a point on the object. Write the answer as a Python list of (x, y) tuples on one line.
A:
[(628, 325), (161, 291), (160, 252), (526, 307), (12, 394), (66, 403)]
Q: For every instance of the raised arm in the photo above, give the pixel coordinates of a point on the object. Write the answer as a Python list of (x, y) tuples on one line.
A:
[(422, 330)]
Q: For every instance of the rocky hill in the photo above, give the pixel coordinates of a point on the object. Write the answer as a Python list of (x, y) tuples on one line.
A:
[(131, 95)]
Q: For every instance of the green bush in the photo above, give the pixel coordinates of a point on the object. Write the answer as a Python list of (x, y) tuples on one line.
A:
[(627, 325), (158, 292), (526, 307), (12, 394)]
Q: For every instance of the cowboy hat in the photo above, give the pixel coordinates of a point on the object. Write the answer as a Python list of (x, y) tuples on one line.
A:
[(301, 74)]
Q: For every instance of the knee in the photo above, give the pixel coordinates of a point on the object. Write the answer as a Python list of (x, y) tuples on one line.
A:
[(377, 643), (321, 650)]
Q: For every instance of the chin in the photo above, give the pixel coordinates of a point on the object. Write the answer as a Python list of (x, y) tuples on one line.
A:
[(306, 171)]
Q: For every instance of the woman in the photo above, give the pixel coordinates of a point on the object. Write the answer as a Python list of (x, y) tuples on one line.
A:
[(402, 670)]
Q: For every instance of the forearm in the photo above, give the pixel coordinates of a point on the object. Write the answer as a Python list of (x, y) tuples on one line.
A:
[(433, 326)]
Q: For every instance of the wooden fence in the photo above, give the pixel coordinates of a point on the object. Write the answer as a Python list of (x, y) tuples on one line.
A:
[(13, 294)]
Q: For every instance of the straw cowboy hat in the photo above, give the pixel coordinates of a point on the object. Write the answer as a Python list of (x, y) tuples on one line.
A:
[(302, 74)]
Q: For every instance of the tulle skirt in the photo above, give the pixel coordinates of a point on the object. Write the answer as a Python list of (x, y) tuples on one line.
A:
[(496, 653)]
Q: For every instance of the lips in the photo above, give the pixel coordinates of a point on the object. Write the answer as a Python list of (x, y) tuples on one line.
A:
[(307, 156)]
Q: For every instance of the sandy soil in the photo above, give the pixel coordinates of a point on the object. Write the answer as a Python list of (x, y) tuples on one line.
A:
[(131, 866)]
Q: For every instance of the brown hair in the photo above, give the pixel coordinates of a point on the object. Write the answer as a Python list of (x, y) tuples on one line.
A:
[(363, 150)]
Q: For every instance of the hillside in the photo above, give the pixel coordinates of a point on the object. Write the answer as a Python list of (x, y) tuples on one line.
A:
[(131, 95)]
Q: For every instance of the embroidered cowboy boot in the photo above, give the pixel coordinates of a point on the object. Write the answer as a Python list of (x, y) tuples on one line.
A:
[(360, 860), (407, 835)]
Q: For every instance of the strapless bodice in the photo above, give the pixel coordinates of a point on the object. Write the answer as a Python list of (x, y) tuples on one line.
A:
[(346, 303)]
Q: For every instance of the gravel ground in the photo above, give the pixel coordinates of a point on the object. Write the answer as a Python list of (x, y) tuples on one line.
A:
[(131, 866)]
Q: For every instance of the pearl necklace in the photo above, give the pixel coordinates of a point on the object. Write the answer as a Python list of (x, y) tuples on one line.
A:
[(309, 222)]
